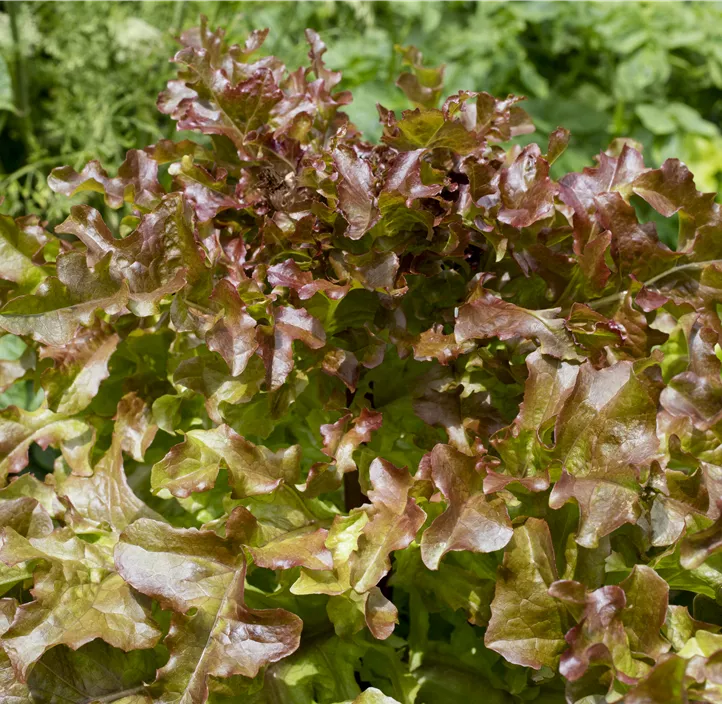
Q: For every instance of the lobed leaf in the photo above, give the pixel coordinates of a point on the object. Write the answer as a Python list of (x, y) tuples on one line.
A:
[(213, 633)]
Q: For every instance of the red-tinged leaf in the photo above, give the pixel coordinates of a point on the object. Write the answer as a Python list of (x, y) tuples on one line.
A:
[(598, 635), (165, 151), (134, 426), (342, 438), (483, 184), (525, 454), (665, 683), (696, 393), (375, 271), (647, 595), (444, 410), (318, 49), (471, 521), (105, 500), (350, 612), (635, 247), (605, 432), (649, 300), (289, 274), (234, 334), (78, 369), (498, 120), (234, 100), (14, 691), (593, 262), (19, 245), (155, 260), (697, 547), (57, 309), (638, 337), (344, 365), (594, 333), (276, 347), (614, 174), (27, 486), (618, 623), (527, 624), (213, 633), (488, 316), (136, 182), (394, 519), (380, 614), (355, 192), (405, 177), (21, 510), (308, 108), (241, 108), (434, 344), (208, 193), (671, 188), (175, 566), (78, 597), (527, 192), (342, 542)]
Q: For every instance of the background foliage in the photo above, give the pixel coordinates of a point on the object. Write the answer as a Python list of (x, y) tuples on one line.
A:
[(79, 80)]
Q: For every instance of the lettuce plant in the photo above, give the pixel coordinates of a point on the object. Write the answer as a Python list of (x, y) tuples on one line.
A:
[(332, 421)]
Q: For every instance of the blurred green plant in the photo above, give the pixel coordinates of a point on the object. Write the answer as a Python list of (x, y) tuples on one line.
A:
[(81, 78)]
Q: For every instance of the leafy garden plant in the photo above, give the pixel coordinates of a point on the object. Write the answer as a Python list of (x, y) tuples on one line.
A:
[(330, 421)]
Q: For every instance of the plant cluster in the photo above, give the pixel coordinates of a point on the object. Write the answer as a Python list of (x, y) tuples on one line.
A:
[(650, 71), (328, 421)]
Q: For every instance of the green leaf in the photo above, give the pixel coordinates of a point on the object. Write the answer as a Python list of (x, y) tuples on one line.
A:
[(17, 249), (78, 370), (374, 696), (78, 597), (194, 464), (394, 519), (20, 429), (663, 684), (429, 129), (95, 671), (527, 625)]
